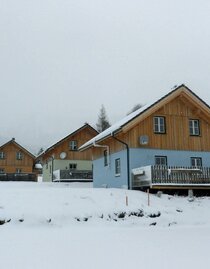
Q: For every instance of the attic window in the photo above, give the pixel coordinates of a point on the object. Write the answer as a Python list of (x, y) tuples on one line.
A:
[(2, 155), (73, 145), (159, 125), (19, 155), (194, 127)]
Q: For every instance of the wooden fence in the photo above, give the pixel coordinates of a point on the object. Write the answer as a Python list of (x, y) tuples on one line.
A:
[(180, 175)]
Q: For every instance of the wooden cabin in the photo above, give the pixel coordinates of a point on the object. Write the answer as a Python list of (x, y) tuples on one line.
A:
[(164, 144), (16, 163), (63, 162)]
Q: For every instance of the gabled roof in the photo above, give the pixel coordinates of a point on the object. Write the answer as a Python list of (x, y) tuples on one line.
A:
[(86, 125), (143, 112), (19, 146)]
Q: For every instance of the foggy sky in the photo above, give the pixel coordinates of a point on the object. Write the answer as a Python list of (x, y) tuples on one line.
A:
[(60, 60)]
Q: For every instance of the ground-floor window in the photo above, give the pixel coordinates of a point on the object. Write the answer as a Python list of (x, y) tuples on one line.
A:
[(72, 166), (160, 160), (196, 161), (117, 167)]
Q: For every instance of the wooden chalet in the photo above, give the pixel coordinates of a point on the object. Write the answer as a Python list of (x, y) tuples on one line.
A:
[(63, 162), (164, 144), (16, 163)]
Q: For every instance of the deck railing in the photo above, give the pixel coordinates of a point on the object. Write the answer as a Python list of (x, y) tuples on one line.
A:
[(180, 175), (18, 177)]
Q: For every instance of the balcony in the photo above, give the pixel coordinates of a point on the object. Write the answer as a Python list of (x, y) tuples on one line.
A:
[(171, 177)]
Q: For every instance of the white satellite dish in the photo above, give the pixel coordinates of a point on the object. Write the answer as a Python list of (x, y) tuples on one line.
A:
[(63, 155), (144, 139)]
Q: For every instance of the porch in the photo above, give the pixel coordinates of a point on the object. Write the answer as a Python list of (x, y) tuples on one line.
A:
[(171, 177)]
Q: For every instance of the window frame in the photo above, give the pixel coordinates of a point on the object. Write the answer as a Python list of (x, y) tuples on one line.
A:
[(19, 155), (161, 157), (73, 145), (193, 127), (73, 168), (196, 159), (18, 170), (2, 170), (158, 125), (105, 158), (2, 155), (117, 167)]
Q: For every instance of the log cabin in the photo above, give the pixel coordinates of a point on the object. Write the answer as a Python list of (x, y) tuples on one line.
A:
[(16, 163), (162, 145), (63, 162)]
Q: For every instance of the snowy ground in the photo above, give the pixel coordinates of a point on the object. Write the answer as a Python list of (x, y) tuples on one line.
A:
[(63, 226)]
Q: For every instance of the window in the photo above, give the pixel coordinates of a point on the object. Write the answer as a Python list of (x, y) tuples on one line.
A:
[(72, 166), (18, 170), (19, 155), (2, 155), (159, 125), (160, 160), (194, 127), (1, 170), (196, 161), (105, 158), (117, 167), (73, 145)]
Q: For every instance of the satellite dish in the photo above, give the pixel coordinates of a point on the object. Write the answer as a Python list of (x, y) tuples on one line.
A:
[(63, 155), (144, 140)]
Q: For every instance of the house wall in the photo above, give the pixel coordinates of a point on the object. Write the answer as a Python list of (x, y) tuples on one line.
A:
[(105, 176), (62, 165), (10, 163), (177, 114)]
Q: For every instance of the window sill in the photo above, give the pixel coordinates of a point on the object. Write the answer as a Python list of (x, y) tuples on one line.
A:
[(117, 175)]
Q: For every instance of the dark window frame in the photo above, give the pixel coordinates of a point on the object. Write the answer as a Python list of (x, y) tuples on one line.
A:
[(159, 131), (161, 157), (73, 166), (105, 157), (117, 167), (196, 158), (73, 145), (19, 155), (18, 170), (193, 128), (2, 155)]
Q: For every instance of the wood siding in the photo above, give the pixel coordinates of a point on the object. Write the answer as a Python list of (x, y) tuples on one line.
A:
[(177, 114), (81, 137), (10, 163)]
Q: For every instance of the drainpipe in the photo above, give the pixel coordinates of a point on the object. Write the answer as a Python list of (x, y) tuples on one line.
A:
[(102, 146), (128, 158)]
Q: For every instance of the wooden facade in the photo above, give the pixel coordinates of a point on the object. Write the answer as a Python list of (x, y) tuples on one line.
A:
[(14, 159), (81, 135), (177, 112)]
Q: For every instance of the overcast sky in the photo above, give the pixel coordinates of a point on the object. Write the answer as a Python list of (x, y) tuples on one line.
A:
[(61, 59)]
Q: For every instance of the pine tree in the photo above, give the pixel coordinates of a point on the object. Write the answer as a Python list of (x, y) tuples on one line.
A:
[(103, 122)]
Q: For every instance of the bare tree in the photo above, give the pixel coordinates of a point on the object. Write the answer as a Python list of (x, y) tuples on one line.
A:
[(103, 122)]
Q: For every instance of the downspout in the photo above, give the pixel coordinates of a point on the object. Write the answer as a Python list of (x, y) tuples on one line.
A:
[(102, 146), (128, 157)]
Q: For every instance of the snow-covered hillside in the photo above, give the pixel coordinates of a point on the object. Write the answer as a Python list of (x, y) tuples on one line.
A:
[(74, 226)]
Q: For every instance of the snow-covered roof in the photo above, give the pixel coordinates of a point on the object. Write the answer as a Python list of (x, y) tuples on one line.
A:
[(118, 125), (66, 137), (115, 126)]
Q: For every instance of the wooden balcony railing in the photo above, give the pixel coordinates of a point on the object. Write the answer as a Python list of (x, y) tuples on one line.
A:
[(180, 175)]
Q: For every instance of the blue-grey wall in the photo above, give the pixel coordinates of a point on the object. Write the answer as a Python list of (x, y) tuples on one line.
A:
[(105, 176)]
